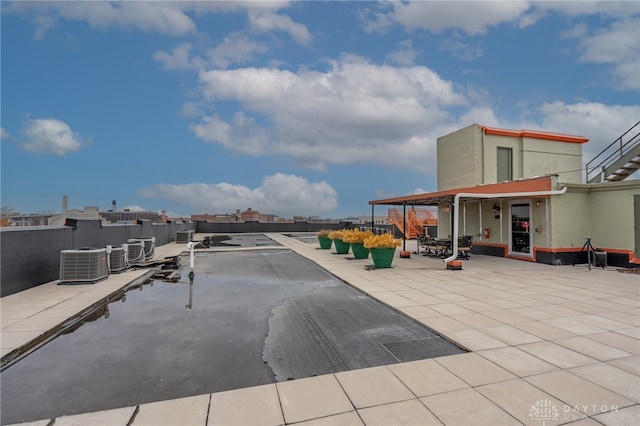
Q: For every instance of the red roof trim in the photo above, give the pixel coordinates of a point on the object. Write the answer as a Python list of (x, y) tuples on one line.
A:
[(535, 134)]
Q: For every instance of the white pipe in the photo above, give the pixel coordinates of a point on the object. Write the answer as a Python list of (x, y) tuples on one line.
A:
[(456, 202), (464, 218), (501, 227), (480, 220), (190, 247), (109, 260), (547, 217)]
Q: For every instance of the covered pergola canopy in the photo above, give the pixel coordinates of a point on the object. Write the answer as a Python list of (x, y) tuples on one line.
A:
[(543, 183)]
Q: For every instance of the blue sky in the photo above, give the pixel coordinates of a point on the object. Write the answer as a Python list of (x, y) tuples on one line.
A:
[(291, 108)]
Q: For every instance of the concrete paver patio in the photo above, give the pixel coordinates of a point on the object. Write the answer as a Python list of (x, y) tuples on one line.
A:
[(549, 345)]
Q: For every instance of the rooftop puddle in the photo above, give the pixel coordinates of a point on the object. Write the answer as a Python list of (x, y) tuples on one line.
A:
[(249, 318)]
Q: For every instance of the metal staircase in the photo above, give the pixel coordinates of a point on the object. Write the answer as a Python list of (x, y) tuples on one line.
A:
[(618, 161), (417, 219)]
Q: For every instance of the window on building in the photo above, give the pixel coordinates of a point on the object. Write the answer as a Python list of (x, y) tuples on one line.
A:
[(505, 164)]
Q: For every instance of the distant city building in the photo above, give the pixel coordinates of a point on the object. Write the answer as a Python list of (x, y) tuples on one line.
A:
[(35, 219), (126, 216), (377, 220), (89, 213), (245, 216)]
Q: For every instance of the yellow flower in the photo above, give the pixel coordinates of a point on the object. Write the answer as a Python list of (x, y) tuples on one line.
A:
[(323, 233), (356, 236), (384, 240), (337, 235)]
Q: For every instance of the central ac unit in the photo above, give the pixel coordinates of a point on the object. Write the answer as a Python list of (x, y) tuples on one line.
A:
[(149, 247), (83, 265), (184, 236), (117, 259), (135, 252)]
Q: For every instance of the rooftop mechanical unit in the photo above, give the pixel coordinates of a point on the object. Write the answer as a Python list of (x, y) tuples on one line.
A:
[(85, 265), (184, 236), (149, 247), (135, 252), (118, 259)]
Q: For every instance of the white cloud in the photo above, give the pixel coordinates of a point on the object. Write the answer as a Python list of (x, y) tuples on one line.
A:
[(190, 109), (616, 46), (179, 58), (619, 46), (405, 54), (461, 49), (236, 48), (602, 124), (162, 17), (476, 17), (50, 136), (280, 194), (267, 21), (4, 134), (165, 17), (614, 9), (355, 112), (213, 129), (472, 17)]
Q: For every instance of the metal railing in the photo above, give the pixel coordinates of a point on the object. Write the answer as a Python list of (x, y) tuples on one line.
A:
[(628, 141)]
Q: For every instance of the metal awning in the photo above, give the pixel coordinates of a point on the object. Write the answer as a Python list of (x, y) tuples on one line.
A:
[(543, 183)]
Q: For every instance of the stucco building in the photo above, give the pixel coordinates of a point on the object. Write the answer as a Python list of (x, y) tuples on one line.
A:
[(519, 194)]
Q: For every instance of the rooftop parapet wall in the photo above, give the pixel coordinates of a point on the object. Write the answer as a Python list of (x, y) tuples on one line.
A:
[(30, 256)]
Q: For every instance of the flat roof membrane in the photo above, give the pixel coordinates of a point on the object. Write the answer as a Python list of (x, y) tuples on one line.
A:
[(249, 318)]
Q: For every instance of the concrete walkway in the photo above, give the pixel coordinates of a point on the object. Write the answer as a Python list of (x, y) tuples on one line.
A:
[(549, 345)]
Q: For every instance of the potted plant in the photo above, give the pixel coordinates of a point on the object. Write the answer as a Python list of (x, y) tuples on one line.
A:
[(355, 238), (337, 237), (382, 249), (323, 239)]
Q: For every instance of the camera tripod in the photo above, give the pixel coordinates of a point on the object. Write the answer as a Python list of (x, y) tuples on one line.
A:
[(592, 257)]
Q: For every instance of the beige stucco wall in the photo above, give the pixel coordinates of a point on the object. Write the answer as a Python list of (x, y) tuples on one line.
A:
[(444, 221), (612, 216), (542, 157), (603, 212), (472, 224), (491, 144), (460, 158), (468, 157), (570, 219)]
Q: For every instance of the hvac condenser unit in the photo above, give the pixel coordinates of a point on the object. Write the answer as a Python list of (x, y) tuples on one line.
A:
[(135, 252), (117, 259), (184, 236), (83, 265), (149, 246)]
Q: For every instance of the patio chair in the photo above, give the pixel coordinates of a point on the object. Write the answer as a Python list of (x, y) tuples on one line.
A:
[(421, 241), (434, 248), (464, 246)]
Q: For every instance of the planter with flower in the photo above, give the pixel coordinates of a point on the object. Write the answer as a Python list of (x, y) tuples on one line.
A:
[(323, 239), (382, 249), (356, 238), (338, 242)]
